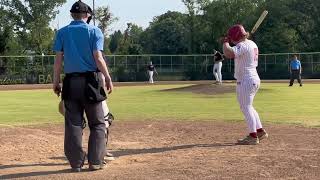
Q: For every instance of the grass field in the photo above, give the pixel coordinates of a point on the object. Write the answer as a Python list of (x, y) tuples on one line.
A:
[(276, 103)]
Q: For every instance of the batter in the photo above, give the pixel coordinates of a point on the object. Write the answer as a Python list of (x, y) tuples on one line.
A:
[(245, 54)]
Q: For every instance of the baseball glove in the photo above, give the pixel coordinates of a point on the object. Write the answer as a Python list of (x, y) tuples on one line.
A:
[(62, 112)]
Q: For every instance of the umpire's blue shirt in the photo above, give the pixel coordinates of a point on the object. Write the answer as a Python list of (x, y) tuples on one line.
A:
[(295, 64), (77, 41)]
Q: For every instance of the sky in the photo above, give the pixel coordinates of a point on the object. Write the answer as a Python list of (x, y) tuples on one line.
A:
[(139, 12)]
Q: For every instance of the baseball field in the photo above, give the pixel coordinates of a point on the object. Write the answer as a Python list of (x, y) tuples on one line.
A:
[(168, 131)]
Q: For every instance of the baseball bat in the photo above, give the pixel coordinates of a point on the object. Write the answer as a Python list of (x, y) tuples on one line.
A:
[(259, 21)]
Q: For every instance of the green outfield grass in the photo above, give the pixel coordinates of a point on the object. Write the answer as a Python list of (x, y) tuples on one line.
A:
[(276, 103)]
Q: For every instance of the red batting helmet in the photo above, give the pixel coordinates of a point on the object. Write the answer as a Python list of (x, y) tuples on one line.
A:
[(236, 33)]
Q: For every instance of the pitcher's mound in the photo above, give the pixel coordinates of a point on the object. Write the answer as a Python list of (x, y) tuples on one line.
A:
[(208, 89)]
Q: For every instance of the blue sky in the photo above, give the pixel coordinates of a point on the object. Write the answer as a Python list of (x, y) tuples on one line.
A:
[(140, 12)]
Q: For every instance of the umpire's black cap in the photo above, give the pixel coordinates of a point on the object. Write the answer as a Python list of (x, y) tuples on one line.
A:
[(80, 7)]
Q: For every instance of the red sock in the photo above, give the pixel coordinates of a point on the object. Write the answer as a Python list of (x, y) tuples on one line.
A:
[(254, 135), (260, 130)]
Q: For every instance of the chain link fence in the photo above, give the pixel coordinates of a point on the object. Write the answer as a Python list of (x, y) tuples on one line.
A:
[(39, 69)]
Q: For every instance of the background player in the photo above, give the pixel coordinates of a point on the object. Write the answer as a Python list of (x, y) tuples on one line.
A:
[(245, 55), (295, 70), (217, 58), (151, 69)]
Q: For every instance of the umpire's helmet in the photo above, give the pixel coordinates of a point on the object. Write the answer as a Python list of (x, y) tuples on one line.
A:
[(80, 7)]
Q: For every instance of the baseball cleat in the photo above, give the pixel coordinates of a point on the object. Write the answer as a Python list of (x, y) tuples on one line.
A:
[(249, 140), (262, 135), (95, 167), (109, 157), (75, 170)]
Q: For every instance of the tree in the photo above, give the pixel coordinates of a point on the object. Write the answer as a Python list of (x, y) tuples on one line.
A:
[(191, 7), (115, 40), (31, 21), (278, 35), (131, 41), (167, 34), (105, 19)]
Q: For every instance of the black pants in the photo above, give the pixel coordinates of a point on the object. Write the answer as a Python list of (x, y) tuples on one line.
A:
[(75, 106), (295, 74)]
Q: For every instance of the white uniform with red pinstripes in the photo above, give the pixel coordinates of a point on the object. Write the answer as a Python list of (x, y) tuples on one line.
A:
[(248, 81)]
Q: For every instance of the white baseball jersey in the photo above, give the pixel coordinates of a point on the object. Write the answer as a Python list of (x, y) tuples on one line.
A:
[(246, 60)]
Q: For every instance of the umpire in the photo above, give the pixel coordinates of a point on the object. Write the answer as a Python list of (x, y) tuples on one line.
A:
[(295, 70), (79, 45)]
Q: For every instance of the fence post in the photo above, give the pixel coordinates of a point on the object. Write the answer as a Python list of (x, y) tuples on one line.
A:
[(194, 62), (312, 64), (171, 64), (206, 63), (126, 61), (137, 63), (160, 63), (114, 61), (14, 66), (42, 64), (182, 63), (265, 63)]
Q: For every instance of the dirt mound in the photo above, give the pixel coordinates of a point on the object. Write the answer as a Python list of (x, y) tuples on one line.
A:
[(208, 89), (167, 150)]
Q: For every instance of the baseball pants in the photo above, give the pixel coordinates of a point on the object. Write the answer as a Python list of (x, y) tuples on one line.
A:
[(295, 74), (246, 91), (150, 76), (75, 106), (217, 71)]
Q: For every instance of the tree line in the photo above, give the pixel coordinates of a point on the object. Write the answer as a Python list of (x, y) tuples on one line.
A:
[(291, 26)]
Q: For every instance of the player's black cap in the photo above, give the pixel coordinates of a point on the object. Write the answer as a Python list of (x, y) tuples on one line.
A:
[(80, 7)]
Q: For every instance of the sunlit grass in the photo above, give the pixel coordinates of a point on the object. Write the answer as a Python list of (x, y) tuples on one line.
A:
[(276, 103)]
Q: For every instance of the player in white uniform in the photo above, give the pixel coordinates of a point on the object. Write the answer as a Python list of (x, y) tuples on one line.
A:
[(217, 58), (245, 54), (151, 69)]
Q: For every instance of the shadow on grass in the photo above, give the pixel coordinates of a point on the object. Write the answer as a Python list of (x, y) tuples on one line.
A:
[(265, 90)]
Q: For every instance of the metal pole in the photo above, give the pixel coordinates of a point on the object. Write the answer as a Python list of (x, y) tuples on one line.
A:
[(312, 64), (94, 16), (160, 64), (265, 63), (207, 64), (171, 65)]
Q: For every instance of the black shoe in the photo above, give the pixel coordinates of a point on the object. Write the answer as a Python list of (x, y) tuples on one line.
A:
[(300, 85), (290, 85), (75, 170)]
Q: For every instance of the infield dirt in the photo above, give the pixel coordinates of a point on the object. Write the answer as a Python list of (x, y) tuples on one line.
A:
[(167, 150)]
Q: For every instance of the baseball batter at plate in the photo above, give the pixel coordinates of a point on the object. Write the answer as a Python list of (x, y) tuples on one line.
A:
[(245, 54)]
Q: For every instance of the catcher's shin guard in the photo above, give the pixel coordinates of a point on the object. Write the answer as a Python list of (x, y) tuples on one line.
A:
[(109, 119)]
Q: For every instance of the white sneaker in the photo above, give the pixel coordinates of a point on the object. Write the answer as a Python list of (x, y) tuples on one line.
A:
[(109, 157)]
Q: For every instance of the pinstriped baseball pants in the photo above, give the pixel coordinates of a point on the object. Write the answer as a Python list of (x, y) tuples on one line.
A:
[(246, 91)]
